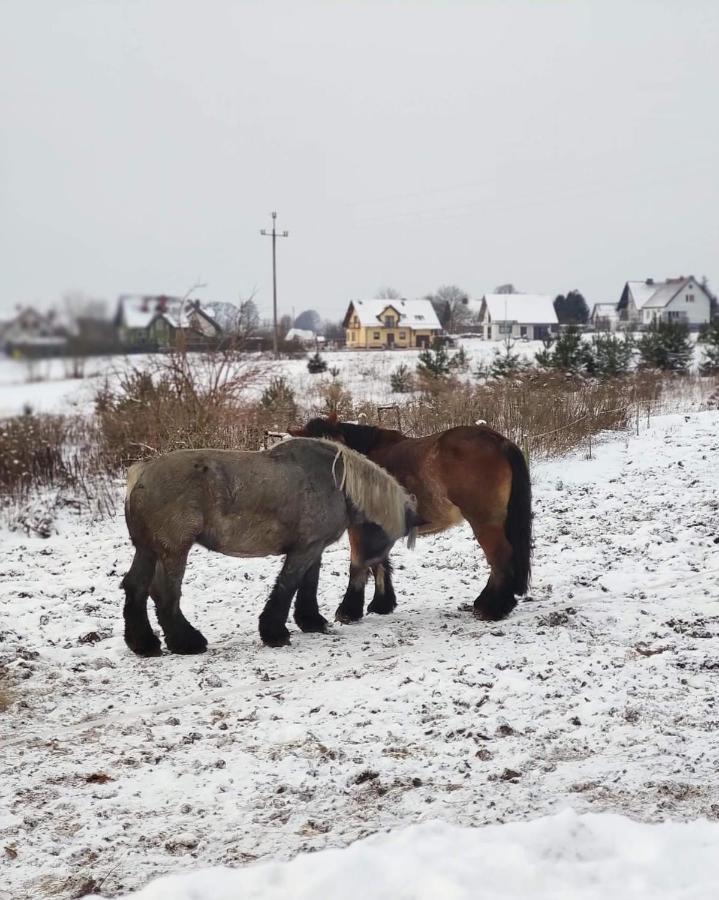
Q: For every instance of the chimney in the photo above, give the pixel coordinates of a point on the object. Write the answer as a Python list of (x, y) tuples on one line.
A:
[(649, 281)]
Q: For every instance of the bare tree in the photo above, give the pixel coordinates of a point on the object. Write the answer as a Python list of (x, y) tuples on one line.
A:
[(388, 293), (451, 304), (248, 319)]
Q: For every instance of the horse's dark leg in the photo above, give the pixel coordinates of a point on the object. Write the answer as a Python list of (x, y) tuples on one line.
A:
[(307, 613), (384, 600), (351, 609), (180, 636), (273, 618), (497, 599), (139, 636)]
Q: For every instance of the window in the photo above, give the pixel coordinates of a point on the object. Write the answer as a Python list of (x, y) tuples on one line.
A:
[(420, 318), (505, 329), (690, 298), (522, 330), (389, 321), (402, 335), (375, 335)]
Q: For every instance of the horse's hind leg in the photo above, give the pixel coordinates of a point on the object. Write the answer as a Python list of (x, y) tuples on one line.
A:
[(497, 600), (307, 613), (273, 618), (139, 636), (385, 599), (180, 636)]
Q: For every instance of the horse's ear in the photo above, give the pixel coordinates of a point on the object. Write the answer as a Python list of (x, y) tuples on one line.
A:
[(332, 418), (296, 430)]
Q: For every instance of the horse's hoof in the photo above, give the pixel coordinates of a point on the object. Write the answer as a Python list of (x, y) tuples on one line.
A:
[(146, 646), (346, 618), (492, 609), (281, 640), (382, 607), (274, 634), (312, 624), (192, 643)]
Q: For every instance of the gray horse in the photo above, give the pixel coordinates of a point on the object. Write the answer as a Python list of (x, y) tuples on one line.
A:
[(293, 500)]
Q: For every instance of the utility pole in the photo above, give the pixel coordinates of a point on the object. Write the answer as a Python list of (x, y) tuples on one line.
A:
[(274, 234)]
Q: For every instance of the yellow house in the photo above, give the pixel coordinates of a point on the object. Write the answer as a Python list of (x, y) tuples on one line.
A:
[(376, 324)]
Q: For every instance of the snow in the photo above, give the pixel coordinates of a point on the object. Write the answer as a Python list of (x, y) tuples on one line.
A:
[(589, 857), (523, 308), (597, 695)]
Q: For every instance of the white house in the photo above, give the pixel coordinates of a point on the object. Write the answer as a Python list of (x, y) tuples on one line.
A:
[(530, 316), (674, 300), (304, 336), (604, 317)]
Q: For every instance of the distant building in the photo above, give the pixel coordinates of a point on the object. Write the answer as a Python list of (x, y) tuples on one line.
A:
[(530, 316), (304, 336), (33, 333), (674, 300), (377, 324), (163, 323), (604, 317)]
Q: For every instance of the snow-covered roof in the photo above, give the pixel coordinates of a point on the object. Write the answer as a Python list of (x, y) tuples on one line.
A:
[(223, 313), (605, 310), (417, 314), (641, 291), (526, 309), (139, 310), (656, 294), (301, 334)]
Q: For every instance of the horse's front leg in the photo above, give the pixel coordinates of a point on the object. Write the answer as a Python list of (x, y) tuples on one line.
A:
[(307, 613), (273, 618), (351, 609), (384, 600)]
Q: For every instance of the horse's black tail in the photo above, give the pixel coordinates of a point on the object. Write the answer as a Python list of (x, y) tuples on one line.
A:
[(518, 524)]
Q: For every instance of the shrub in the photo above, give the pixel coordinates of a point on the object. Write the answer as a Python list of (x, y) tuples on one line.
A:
[(316, 364), (401, 380), (279, 396), (666, 346), (184, 401), (612, 355), (434, 363), (505, 363), (459, 361), (709, 338), (569, 352)]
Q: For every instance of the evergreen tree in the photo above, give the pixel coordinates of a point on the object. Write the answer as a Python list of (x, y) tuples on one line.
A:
[(434, 363), (709, 338), (612, 354), (569, 353), (666, 345)]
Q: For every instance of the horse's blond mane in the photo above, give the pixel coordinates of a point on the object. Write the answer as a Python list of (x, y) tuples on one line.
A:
[(377, 495)]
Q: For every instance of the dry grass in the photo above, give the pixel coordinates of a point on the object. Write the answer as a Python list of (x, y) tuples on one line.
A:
[(545, 413)]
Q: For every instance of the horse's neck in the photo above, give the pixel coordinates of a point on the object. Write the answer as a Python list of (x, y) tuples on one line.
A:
[(385, 441)]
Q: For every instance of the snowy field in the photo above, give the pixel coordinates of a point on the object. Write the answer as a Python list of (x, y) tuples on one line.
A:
[(598, 695), (365, 374)]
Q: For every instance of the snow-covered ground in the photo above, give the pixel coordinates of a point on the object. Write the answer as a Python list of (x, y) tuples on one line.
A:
[(589, 857), (365, 374), (597, 694)]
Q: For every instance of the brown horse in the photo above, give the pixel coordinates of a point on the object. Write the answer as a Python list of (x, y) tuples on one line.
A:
[(471, 473)]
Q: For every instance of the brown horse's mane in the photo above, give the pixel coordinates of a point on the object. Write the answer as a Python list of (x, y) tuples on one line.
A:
[(362, 438)]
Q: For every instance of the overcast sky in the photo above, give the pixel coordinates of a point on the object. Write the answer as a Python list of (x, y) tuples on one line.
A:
[(550, 144)]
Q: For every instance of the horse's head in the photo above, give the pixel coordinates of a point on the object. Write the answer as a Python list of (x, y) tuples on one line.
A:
[(329, 428)]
